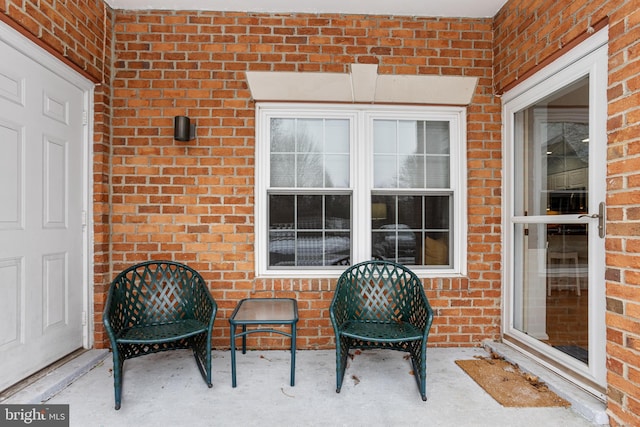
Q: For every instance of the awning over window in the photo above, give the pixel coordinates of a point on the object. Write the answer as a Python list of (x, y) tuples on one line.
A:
[(362, 84)]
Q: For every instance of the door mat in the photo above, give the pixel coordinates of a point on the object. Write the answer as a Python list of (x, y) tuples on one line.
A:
[(508, 385)]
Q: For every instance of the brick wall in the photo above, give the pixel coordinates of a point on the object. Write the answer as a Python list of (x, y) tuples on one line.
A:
[(623, 256), (526, 33), (73, 30), (193, 202), (102, 271)]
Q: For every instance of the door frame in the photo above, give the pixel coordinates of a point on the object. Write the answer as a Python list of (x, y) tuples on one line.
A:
[(18, 41), (588, 58)]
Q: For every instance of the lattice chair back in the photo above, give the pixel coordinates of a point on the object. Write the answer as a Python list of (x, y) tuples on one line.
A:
[(155, 293), (380, 291)]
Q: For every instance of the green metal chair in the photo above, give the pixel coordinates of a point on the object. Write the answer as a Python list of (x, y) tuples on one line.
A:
[(157, 306), (381, 304)]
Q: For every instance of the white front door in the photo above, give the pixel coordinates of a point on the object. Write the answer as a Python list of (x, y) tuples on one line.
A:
[(42, 194), (555, 145)]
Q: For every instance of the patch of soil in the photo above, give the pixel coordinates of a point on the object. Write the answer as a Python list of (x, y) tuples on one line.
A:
[(508, 385)]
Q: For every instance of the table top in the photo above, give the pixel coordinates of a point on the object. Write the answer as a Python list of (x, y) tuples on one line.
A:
[(265, 310)]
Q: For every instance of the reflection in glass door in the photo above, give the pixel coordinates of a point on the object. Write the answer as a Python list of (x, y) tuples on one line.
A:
[(556, 157)]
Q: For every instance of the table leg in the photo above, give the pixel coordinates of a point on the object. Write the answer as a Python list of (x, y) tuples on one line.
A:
[(293, 354), (244, 339), (233, 355)]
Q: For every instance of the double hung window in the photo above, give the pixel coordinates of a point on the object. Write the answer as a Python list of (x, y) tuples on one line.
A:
[(341, 184)]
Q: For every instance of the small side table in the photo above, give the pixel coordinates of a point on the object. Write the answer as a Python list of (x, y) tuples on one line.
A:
[(263, 311)]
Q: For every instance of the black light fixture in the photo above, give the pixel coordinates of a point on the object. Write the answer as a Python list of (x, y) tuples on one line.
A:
[(183, 129)]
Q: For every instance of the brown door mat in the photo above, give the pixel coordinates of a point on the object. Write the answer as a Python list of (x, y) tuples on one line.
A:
[(508, 385)]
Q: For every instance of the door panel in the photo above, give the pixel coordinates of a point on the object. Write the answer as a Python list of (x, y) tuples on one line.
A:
[(54, 185), (10, 303), (552, 143), (41, 230), (11, 175)]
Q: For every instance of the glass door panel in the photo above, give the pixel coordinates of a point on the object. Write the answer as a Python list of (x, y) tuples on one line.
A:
[(552, 298), (551, 241)]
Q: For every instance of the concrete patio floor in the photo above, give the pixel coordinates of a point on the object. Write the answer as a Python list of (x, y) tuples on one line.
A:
[(166, 389)]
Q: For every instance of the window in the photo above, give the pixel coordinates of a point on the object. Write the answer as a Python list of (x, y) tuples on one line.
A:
[(338, 185)]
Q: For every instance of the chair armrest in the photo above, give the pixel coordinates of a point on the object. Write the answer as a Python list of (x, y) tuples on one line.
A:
[(421, 314), (205, 307), (339, 308), (113, 318)]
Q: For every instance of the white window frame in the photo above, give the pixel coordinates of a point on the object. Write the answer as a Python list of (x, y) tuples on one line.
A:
[(361, 178)]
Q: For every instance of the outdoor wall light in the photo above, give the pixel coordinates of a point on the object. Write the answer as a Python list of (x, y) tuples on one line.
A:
[(183, 129)]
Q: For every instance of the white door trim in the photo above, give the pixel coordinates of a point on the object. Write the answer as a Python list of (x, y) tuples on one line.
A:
[(19, 42)]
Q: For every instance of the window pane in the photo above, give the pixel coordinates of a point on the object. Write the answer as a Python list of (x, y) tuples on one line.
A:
[(309, 249), (437, 137), (437, 212), (384, 136), (282, 248), (385, 173), (412, 230), (310, 153), (283, 136), (437, 222), (436, 250), (337, 171), (411, 172), (309, 170), (309, 230), (337, 136), (282, 168), (438, 172), (309, 212), (309, 136), (408, 138), (411, 154), (337, 248), (281, 212), (320, 249), (338, 212), (395, 242), (410, 211)]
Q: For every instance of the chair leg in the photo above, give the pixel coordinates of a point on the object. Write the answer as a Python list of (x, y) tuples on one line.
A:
[(117, 377), (338, 367), (342, 352), (201, 346), (419, 362)]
